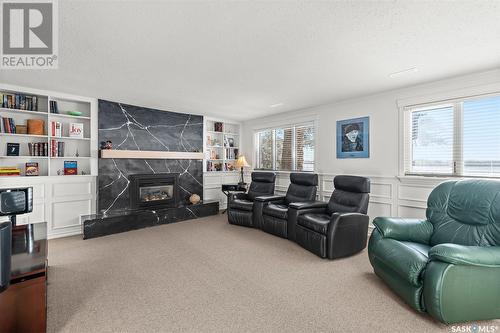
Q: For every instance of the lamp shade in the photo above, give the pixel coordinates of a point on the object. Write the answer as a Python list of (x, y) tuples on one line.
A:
[(241, 162)]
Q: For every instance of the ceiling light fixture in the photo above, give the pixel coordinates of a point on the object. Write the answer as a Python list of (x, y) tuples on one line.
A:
[(275, 105), (403, 72)]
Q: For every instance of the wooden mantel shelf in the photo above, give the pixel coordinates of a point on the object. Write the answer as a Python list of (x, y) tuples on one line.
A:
[(149, 154)]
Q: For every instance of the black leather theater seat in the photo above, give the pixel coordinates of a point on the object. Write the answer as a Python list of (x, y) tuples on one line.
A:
[(339, 228), (275, 209), (241, 205)]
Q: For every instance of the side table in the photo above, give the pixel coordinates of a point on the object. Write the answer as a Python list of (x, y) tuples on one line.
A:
[(228, 189)]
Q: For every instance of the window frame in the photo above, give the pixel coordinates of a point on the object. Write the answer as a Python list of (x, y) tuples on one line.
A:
[(273, 128), (458, 127)]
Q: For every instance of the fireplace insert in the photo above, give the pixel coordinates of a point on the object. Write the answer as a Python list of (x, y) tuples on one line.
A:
[(153, 190)]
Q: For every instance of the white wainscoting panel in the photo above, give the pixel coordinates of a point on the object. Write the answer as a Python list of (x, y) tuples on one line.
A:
[(390, 195), (57, 200), (66, 214)]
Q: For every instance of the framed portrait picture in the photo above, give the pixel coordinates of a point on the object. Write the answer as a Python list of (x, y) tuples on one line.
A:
[(353, 138)]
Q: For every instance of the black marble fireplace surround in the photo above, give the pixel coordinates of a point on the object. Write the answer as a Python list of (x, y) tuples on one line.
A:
[(136, 128)]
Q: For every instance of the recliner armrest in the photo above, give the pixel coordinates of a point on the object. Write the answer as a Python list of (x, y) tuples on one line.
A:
[(238, 195), (268, 198), (411, 230), (308, 204), (486, 256), (348, 217)]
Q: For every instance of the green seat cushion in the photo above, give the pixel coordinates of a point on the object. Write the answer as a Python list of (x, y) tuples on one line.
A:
[(407, 259)]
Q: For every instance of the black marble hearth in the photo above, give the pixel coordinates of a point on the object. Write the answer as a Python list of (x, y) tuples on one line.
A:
[(97, 225)]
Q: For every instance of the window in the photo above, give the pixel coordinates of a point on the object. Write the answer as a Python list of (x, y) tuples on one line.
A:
[(287, 148), (460, 138)]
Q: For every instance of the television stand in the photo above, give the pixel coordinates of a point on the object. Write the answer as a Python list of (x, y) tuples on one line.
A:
[(23, 305)]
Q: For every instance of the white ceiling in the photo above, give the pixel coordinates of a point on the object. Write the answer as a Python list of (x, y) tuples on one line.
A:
[(235, 59)]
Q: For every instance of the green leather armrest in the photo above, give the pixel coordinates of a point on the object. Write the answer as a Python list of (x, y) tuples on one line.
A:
[(410, 230), (485, 256)]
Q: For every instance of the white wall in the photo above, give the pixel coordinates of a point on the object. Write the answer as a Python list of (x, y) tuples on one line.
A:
[(391, 195)]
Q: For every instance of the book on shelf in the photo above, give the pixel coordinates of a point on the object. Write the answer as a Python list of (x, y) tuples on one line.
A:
[(70, 167), (10, 171), (38, 148), (56, 148), (53, 107), (19, 101), (56, 129), (76, 130), (31, 169), (231, 154), (8, 125)]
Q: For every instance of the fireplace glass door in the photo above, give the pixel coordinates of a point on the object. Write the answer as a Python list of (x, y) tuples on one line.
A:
[(156, 193), (153, 190)]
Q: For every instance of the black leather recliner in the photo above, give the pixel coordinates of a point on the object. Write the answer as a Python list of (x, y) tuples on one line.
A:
[(240, 206), (272, 213), (338, 228)]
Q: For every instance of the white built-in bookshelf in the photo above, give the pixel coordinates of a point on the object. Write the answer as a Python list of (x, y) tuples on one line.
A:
[(81, 150), (222, 145)]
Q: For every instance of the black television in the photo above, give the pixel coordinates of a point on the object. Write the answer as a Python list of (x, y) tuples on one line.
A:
[(13, 202)]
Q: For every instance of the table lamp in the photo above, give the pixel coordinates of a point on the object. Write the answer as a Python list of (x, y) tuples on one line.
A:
[(241, 162)]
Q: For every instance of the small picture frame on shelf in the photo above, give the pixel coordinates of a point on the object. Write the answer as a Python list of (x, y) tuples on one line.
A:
[(218, 126), (76, 130), (12, 149), (230, 142), (32, 169)]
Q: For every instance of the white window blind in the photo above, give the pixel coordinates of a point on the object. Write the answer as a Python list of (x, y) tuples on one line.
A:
[(286, 148), (460, 138)]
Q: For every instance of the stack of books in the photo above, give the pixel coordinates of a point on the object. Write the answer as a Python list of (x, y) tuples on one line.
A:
[(38, 148), (53, 107), (56, 129), (231, 154), (56, 148), (19, 101), (10, 171), (8, 125)]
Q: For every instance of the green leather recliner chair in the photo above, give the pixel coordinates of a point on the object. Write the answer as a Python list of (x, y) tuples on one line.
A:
[(449, 264)]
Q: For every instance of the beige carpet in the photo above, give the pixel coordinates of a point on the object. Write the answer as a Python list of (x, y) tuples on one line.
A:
[(208, 276)]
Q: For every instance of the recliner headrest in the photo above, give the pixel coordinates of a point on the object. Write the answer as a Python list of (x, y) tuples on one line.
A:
[(263, 177), (352, 184), (307, 179)]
